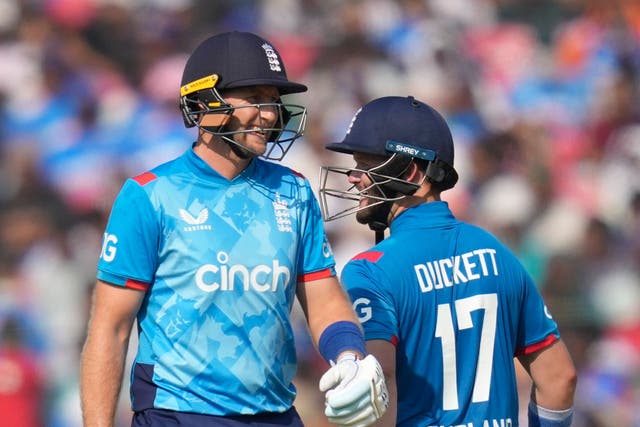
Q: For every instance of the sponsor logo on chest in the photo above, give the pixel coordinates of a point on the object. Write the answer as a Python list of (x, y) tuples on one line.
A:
[(195, 223)]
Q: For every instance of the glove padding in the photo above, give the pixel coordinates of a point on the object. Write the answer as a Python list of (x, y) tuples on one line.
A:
[(356, 393)]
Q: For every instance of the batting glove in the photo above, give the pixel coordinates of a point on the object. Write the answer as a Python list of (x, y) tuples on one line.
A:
[(356, 393)]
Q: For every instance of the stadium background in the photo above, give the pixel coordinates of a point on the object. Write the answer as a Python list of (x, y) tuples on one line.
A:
[(542, 97)]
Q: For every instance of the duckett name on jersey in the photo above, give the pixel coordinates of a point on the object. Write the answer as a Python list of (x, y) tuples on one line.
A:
[(446, 272)]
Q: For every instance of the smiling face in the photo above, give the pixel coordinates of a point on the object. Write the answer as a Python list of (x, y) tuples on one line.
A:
[(256, 113)]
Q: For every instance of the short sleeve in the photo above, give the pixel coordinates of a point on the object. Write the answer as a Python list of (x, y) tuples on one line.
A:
[(373, 305), (537, 329), (131, 239), (317, 259)]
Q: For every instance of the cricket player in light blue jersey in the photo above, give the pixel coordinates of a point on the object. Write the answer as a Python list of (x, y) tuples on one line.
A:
[(444, 305), (208, 252)]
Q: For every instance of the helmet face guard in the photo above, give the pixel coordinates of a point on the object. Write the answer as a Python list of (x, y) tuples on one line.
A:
[(385, 187), (200, 98)]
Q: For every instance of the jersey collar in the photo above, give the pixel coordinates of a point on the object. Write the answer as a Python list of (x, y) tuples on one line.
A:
[(201, 168), (425, 215)]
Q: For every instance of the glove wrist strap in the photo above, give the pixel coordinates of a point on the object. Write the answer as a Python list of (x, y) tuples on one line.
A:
[(543, 417), (347, 355), (339, 337)]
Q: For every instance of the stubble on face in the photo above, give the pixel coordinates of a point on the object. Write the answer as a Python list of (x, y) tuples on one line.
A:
[(369, 207), (249, 120), (253, 143)]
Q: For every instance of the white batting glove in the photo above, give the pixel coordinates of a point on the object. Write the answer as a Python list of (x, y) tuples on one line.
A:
[(356, 393)]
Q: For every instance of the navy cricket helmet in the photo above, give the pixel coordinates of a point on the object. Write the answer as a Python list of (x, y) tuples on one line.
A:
[(406, 126), (238, 59), (401, 130), (232, 60)]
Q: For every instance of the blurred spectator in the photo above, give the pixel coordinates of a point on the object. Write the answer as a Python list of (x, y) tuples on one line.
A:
[(543, 99), (22, 383)]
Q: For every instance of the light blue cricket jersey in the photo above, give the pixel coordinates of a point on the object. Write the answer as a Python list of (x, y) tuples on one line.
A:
[(219, 261), (458, 306)]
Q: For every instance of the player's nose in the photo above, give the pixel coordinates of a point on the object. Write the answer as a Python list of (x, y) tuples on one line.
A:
[(268, 114), (354, 177)]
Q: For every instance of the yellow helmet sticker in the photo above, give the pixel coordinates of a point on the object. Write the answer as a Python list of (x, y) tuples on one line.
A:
[(200, 84)]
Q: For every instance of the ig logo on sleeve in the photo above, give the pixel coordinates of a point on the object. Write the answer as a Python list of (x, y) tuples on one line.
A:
[(109, 243), (362, 309)]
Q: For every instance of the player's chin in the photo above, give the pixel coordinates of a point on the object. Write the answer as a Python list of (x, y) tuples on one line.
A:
[(365, 216), (256, 145)]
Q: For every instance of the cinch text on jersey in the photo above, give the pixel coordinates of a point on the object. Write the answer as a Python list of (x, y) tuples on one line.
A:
[(458, 269), (223, 277)]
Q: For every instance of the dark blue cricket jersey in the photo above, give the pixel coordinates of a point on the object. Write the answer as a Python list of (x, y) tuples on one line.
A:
[(459, 306)]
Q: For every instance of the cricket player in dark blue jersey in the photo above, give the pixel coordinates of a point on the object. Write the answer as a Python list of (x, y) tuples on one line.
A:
[(444, 305), (207, 253)]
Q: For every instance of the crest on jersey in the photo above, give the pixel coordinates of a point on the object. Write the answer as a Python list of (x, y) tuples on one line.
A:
[(283, 217)]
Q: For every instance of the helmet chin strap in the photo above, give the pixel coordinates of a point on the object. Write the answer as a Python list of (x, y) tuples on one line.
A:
[(238, 150), (379, 226), (381, 218)]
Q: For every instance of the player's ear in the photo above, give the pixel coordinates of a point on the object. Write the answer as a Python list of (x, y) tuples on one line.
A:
[(414, 173)]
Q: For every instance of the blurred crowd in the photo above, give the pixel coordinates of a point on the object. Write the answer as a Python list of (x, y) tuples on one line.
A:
[(543, 98)]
